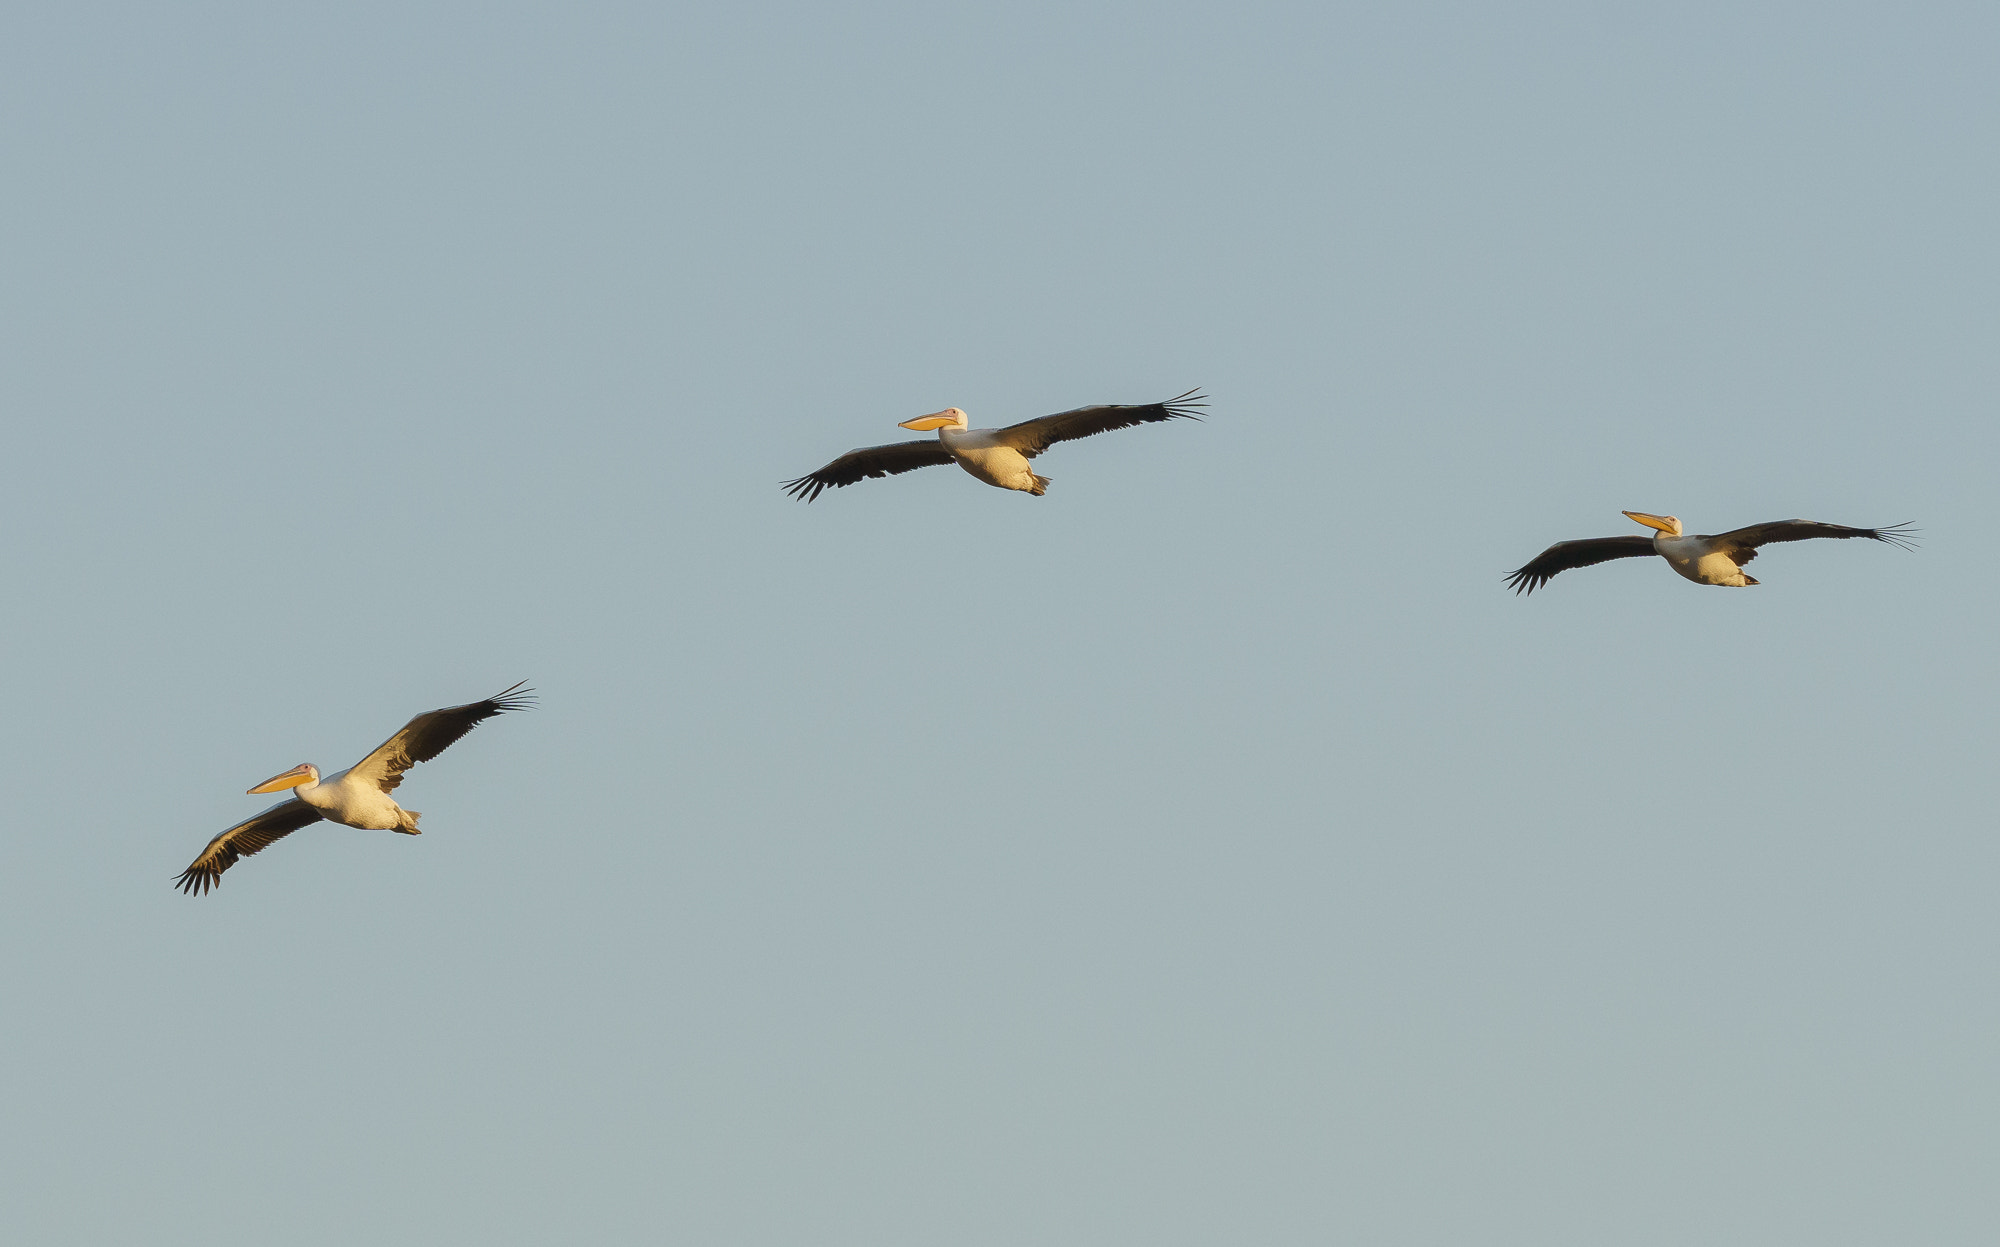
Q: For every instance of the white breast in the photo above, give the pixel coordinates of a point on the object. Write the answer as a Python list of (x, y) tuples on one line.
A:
[(344, 798), (976, 452), (1695, 559)]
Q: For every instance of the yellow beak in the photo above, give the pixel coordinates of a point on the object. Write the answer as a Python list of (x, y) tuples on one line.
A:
[(299, 774), (1651, 521), (924, 424)]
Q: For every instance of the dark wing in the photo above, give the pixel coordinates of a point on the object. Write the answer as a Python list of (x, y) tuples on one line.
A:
[(1741, 544), (1564, 555), (428, 735), (1032, 437), (870, 461), (242, 840)]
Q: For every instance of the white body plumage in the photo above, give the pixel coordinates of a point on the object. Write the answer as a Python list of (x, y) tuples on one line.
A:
[(982, 453), (357, 801), (1699, 560)]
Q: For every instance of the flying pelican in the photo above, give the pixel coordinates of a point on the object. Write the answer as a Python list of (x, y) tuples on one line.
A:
[(1705, 560), (996, 456), (358, 796)]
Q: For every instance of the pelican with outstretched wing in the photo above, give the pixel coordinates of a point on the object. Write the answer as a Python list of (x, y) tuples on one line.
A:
[(357, 797), (1716, 560), (997, 456)]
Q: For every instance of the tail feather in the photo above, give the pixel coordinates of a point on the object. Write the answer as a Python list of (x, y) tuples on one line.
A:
[(1041, 485), (408, 825)]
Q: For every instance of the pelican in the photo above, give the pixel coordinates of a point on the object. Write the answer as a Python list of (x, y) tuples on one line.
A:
[(996, 456), (1705, 560), (357, 797)]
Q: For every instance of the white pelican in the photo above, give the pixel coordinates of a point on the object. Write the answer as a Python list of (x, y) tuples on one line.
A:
[(358, 796), (1705, 560), (996, 456)]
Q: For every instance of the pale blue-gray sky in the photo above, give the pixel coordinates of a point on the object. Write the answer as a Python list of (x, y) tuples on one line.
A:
[(1240, 863)]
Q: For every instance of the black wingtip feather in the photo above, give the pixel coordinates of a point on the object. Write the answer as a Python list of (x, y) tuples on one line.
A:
[(519, 697), (797, 488), (1180, 408), (1903, 536), (806, 487)]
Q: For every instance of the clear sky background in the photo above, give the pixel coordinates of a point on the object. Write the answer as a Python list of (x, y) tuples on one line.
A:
[(1210, 851)]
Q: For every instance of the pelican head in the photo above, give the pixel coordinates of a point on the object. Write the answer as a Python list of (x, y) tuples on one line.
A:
[(303, 773), (950, 417), (1665, 523)]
